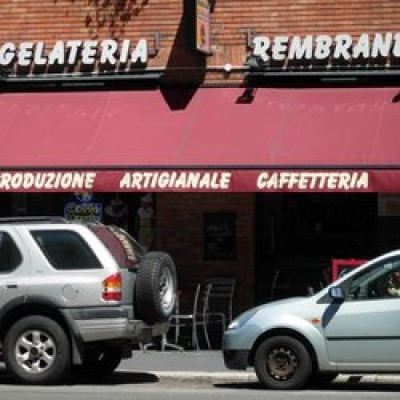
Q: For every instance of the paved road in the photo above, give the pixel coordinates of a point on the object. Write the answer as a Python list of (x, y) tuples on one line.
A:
[(146, 386), (198, 376)]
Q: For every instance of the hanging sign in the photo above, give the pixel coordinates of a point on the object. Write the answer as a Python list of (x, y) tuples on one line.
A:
[(83, 208), (203, 31)]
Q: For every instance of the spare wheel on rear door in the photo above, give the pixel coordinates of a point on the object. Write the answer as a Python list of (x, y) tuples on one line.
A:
[(156, 287)]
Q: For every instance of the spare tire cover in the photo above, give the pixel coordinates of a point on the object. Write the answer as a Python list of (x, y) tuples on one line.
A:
[(156, 287)]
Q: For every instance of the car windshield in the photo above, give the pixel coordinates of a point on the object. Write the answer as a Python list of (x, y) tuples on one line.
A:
[(125, 249)]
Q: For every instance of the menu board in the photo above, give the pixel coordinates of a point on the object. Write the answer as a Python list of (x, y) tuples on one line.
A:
[(220, 236)]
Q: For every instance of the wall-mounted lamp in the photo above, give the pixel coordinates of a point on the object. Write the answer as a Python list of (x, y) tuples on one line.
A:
[(254, 62), (156, 44)]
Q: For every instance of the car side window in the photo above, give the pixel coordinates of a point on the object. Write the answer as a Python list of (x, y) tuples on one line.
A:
[(380, 280), (66, 250), (10, 256)]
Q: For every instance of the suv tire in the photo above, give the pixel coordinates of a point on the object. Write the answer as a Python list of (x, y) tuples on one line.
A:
[(156, 287), (282, 362), (37, 350)]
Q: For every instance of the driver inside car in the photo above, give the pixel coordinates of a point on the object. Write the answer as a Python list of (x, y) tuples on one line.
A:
[(393, 288)]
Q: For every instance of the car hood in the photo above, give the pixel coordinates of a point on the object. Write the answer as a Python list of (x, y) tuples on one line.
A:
[(290, 306), (284, 301)]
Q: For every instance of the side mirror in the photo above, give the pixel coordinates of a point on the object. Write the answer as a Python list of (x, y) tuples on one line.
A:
[(337, 293)]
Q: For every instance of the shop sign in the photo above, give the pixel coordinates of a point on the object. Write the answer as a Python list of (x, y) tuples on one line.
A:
[(83, 208), (309, 181), (237, 180), (326, 47), (88, 52), (203, 34)]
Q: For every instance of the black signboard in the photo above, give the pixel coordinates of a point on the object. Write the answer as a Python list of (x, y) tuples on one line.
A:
[(220, 236)]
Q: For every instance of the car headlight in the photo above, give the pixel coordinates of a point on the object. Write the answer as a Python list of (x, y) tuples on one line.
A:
[(242, 319)]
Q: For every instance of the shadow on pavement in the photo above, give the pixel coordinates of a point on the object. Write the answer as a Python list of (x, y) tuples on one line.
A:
[(117, 378), (335, 386)]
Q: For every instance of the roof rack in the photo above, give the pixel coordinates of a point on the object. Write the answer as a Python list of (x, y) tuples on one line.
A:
[(33, 219)]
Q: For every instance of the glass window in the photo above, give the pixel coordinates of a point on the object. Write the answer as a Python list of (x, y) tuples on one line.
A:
[(380, 280), (126, 251), (10, 256), (66, 250)]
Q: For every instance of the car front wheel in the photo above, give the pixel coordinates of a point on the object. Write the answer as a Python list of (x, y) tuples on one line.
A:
[(283, 362)]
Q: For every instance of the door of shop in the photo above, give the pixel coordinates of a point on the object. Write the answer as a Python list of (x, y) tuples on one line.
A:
[(298, 234)]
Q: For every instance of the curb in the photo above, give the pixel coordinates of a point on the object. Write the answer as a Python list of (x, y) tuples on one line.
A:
[(250, 377), (205, 376), (369, 378), (218, 376)]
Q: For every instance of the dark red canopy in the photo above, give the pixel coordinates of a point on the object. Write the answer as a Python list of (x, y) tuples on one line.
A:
[(335, 131)]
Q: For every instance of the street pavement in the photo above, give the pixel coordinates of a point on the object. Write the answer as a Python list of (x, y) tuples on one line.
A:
[(209, 365), (193, 364)]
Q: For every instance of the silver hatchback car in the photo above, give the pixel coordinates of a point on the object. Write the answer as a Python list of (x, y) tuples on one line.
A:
[(351, 326)]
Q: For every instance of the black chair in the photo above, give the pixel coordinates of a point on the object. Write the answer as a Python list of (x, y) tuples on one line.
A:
[(218, 304)]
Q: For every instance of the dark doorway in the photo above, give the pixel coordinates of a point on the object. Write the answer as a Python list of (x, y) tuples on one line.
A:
[(298, 234)]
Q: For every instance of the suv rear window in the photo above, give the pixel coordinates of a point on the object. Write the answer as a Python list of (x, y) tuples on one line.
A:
[(126, 251), (66, 250)]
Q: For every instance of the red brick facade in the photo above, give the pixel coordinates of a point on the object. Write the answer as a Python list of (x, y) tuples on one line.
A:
[(179, 230), (51, 20)]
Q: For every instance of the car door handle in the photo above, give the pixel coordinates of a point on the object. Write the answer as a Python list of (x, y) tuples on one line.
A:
[(11, 286)]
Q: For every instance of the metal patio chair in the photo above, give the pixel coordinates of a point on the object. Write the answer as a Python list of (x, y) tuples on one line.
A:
[(195, 319), (218, 304)]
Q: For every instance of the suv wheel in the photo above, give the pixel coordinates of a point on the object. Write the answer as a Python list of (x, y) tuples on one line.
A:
[(283, 362), (101, 360), (156, 287), (37, 350)]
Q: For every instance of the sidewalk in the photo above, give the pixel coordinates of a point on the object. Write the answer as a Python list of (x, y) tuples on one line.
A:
[(209, 365)]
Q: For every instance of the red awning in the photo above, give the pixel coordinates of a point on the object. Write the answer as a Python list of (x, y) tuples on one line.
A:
[(276, 139)]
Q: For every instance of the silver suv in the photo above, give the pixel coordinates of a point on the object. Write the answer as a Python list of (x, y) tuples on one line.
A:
[(352, 326), (75, 296)]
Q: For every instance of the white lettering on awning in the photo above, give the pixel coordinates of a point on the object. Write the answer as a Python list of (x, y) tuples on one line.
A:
[(306, 181), (176, 180), (47, 180)]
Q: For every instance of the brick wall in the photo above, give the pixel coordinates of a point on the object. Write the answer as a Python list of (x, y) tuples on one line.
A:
[(179, 230), (50, 20)]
